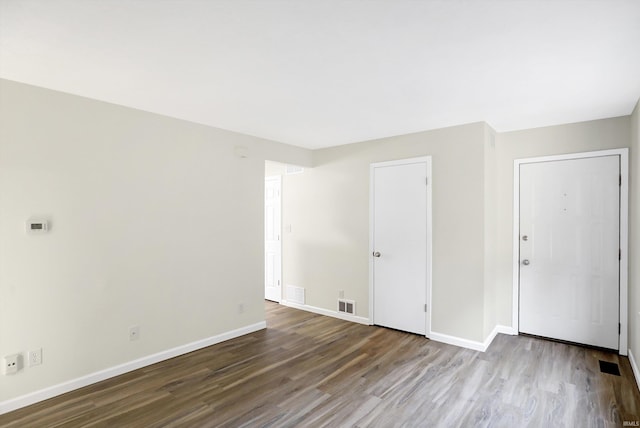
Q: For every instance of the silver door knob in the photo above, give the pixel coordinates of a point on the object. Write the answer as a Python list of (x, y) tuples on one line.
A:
[(376, 254), (525, 262), (525, 238)]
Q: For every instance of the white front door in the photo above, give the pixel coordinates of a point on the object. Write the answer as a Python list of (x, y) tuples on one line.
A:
[(272, 242), (399, 247), (569, 250)]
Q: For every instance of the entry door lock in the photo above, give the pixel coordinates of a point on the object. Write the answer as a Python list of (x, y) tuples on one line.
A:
[(525, 262), (525, 238)]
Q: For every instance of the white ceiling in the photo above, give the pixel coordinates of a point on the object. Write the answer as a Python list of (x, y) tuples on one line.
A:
[(320, 73)]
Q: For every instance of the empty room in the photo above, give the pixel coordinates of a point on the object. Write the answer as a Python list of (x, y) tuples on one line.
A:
[(332, 213)]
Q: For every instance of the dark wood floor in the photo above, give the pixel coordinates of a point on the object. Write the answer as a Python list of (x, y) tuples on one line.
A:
[(309, 370)]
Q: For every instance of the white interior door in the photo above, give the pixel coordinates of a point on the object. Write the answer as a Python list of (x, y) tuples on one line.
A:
[(399, 222), (272, 242), (569, 250)]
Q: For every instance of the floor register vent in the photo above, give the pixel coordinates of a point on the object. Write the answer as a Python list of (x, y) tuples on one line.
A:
[(295, 294), (347, 306)]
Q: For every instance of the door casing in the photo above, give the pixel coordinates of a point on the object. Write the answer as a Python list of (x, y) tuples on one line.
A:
[(624, 231), (422, 159)]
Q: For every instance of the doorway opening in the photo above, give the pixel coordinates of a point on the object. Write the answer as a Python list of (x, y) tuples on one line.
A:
[(273, 237)]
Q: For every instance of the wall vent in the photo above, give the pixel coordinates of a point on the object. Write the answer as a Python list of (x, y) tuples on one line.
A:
[(347, 306), (295, 294), (293, 169)]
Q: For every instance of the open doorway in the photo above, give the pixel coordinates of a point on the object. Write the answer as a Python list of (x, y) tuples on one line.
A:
[(272, 238), (274, 173)]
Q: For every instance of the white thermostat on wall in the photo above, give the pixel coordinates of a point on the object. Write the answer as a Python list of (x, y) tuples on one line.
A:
[(37, 226)]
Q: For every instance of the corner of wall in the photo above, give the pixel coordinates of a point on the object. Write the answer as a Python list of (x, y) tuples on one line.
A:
[(134, 199), (634, 239), (490, 231)]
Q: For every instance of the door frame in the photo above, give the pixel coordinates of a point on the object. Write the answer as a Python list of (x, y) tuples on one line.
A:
[(277, 179), (409, 161), (624, 233)]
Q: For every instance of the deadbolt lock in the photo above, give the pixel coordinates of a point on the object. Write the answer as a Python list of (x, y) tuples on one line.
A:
[(525, 238)]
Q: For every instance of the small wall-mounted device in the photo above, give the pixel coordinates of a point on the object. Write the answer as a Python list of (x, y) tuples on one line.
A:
[(241, 152), (37, 226)]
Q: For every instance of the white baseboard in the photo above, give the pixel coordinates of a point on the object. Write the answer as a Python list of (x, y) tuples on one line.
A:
[(52, 391), (327, 312), (438, 337), (472, 344), (499, 329), (457, 341), (634, 367)]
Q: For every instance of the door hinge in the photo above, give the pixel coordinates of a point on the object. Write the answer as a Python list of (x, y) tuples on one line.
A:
[(278, 282), (425, 307), (619, 254), (620, 180), (619, 328), (426, 181)]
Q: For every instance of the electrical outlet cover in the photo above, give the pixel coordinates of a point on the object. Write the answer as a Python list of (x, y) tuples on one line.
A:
[(35, 357)]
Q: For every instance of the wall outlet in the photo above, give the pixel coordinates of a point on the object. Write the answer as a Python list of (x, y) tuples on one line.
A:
[(240, 308), (35, 357), (134, 332), (12, 364)]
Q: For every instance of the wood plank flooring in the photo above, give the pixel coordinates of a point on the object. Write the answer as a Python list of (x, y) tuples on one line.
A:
[(307, 370)]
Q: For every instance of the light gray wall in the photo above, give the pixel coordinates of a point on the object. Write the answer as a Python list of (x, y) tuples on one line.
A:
[(554, 140), (154, 222), (327, 207), (634, 237), (490, 230), (274, 168)]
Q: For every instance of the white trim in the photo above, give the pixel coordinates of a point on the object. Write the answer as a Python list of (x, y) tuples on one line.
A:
[(634, 368), (472, 344), (624, 232), (436, 337), (499, 329), (61, 388), (429, 184), (457, 341), (327, 312)]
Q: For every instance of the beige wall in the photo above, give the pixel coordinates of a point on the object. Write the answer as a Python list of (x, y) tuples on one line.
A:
[(155, 222), (553, 140), (490, 230), (327, 207), (634, 238), (274, 168)]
